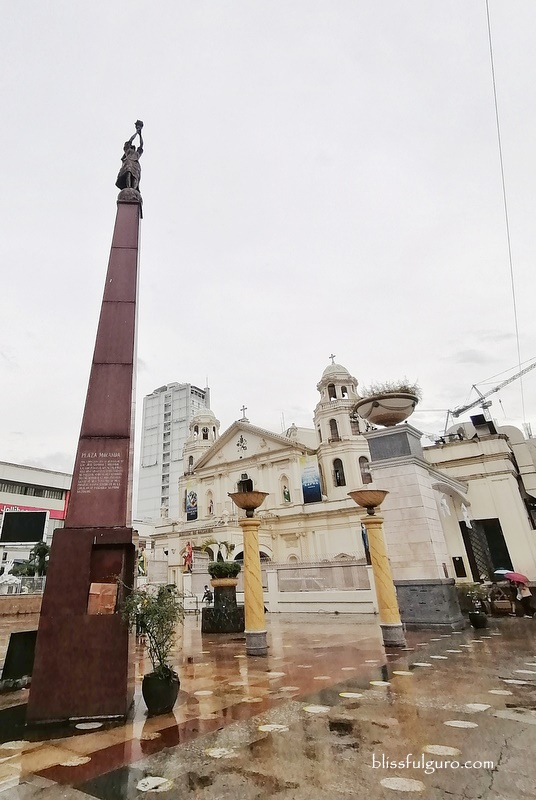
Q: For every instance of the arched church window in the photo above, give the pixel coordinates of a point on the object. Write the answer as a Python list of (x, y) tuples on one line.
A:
[(334, 430), (205, 433), (332, 394), (344, 393), (338, 473), (214, 432), (364, 467), (319, 434), (190, 463), (354, 425), (245, 484)]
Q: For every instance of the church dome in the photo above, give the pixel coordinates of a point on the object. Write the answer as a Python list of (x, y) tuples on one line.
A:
[(204, 427), (333, 370), (336, 383)]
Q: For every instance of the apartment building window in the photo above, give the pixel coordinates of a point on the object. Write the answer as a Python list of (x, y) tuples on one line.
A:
[(31, 491)]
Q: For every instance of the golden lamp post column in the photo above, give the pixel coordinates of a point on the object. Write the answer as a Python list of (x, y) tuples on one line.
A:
[(256, 644), (390, 623)]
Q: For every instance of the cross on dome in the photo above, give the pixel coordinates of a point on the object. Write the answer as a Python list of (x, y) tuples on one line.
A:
[(243, 410), (333, 357)]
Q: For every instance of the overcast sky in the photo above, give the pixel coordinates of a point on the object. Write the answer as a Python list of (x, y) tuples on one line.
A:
[(319, 176)]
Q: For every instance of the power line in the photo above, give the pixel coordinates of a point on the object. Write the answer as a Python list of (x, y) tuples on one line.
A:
[(505, 203)]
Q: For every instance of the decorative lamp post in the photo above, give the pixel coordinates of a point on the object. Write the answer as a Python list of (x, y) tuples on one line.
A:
[(249, 500), (390, 623)]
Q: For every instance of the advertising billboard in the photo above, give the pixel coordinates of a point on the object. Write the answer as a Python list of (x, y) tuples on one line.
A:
[(23, 527), (191, 505), (312, 491)]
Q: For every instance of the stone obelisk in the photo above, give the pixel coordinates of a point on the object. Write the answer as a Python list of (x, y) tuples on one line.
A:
[(82, 667)]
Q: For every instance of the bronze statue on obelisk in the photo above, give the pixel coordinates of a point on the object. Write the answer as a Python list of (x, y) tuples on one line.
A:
[(130, 172)]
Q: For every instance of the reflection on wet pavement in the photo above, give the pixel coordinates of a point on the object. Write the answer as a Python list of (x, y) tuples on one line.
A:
[(325, 716)]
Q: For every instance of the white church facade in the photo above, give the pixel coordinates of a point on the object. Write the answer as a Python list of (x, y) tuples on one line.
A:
[(307, 473)]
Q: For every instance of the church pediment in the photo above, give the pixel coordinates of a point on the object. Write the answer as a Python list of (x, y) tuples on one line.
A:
[(243, 441)]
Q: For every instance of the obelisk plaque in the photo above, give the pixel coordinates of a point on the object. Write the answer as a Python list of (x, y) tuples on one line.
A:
[(82, 667)]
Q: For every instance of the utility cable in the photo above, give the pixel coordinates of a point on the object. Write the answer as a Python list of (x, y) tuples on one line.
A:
[(505, 203)]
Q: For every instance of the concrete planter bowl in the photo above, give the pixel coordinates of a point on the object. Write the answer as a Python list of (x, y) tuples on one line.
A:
[(387, 409), (217, 582)]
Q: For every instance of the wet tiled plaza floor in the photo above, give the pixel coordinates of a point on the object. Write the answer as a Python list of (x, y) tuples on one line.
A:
[(323, 717)]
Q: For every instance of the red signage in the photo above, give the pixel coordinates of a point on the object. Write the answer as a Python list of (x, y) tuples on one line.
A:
[(53, 513)]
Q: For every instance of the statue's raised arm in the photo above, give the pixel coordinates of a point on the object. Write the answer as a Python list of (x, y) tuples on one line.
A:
[(130, 172)]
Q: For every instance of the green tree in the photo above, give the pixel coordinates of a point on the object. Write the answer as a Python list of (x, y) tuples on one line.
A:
[(39, 558), (155, 611)]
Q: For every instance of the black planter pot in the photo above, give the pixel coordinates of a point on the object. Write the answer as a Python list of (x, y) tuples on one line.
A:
[(478, 619), (159, 693)]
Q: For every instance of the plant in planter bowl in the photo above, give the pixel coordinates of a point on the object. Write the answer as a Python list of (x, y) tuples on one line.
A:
[(388, 403), (224, 570), (226, 616), (155, 612)]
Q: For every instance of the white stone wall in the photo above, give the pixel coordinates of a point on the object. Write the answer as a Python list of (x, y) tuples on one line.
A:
[(413, 531)]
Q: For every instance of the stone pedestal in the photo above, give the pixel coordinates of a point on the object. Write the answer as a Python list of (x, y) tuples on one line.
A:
[(418, 553), (256, 644), (82, 667), (226, 616), (430, 604)]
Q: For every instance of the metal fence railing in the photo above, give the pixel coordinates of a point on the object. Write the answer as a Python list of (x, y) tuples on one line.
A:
[(322, 577), (32, 585), (315, 576)]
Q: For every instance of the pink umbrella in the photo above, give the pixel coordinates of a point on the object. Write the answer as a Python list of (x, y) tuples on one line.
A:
[(516, 576)]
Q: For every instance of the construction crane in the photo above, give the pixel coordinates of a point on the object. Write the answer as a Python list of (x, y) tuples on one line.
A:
[(481, 400)]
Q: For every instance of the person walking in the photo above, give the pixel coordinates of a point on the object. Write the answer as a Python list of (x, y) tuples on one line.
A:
[(207, 597), (524, 595)]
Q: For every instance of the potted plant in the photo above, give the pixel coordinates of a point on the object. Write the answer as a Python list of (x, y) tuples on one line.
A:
[(388, 403), (478, 595), (226, 616), (155, 612)]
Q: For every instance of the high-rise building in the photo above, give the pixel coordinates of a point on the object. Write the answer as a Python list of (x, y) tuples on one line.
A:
[(166, 416)]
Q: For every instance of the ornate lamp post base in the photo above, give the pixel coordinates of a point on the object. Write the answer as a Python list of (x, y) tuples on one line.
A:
[(393, 634), (256, 644)]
